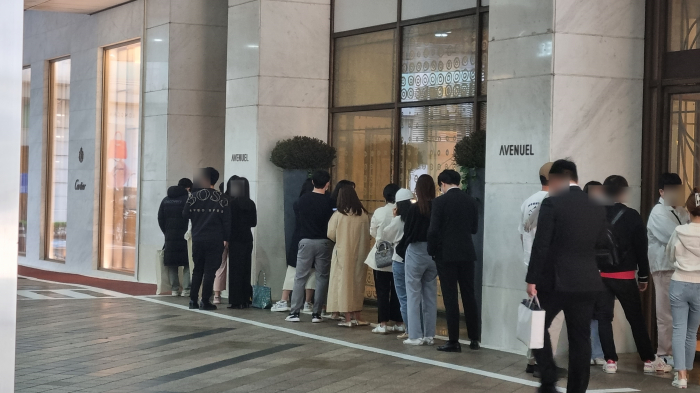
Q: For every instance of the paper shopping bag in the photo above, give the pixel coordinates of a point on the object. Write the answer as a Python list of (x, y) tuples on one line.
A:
[(530, 330), (162, 278)]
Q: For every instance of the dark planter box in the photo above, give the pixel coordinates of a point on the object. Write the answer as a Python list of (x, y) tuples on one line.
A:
[(292, 180), (476, 189)]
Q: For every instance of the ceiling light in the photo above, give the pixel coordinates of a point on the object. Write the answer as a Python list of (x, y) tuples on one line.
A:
[(157, 39), (440, 34), (253, 46)]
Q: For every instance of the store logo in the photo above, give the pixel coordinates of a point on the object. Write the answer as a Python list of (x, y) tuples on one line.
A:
[(81, 155), (79, 186), (516, 150), (239, 157)]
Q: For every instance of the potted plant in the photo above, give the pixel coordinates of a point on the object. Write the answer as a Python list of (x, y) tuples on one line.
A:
[(298, 157)]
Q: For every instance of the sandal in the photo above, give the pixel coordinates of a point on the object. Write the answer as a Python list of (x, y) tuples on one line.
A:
[(359, 323), (345, 324), (217, 300)]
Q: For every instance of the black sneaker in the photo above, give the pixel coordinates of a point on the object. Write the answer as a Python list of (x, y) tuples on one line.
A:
[(207, 306), (293, 318), (316, 318), (193, 305)]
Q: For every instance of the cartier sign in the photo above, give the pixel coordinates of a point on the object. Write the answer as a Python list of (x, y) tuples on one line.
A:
[(79, 186)]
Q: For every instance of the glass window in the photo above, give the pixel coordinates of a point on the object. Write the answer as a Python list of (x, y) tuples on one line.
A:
[(58, 160), (365, 153), (356, 14), (24, 161), (484, 53), (428, 138), (364, 69), (683, 29), (411, 9), (684, 136), (439, 60), (120, 158)]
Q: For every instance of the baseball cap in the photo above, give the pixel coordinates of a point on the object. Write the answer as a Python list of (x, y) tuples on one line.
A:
[(404, 195), (544, 170)]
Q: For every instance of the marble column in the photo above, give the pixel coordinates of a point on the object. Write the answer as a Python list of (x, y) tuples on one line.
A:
[(276, 88), (565, 77)]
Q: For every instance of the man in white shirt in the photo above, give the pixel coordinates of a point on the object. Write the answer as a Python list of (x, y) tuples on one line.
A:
[(663, 220), (528, 227)]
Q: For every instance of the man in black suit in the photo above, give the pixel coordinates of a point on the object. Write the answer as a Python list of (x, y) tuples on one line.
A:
[(453, 221), (563, 272)]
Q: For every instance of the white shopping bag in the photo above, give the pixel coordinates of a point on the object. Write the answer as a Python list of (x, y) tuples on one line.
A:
[(530, 328), (162, 279)]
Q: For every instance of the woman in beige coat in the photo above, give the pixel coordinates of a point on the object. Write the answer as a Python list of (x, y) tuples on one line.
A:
[(349, 229)]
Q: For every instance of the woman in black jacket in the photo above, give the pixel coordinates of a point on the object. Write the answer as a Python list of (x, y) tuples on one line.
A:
[(244, 217), (174, 226)]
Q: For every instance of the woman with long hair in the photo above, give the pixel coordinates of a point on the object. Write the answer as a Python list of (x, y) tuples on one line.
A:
[(244, 217), (222, 272), (349, 229), (339, 186), (421, 272)]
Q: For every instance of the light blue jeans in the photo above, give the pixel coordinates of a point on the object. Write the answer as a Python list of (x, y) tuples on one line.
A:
[(596, 348), (685, 309), (399, 271), (421, 291)]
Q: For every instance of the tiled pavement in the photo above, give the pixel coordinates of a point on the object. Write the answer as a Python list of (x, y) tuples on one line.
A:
[(104, 343)]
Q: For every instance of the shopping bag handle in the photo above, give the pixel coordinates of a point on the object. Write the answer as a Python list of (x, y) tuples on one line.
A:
[(533, 300), (264, 278)]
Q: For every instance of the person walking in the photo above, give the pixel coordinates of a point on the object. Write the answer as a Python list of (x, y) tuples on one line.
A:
[(394, 233), (666, 215), (283, 304), (348, 228), (683, 252), (174, 227), (630, 237), (388, 308), (421, 272), (211, 228), (563, 272), (454, 219), (313, 211), (244, 217)]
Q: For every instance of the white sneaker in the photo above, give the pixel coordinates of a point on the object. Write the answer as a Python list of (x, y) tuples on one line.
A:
[(292, 318), (428, 341), (417, 341), (174, 293), (381, 330), (658, 365), (316, 318), (679, 383), (185, 293), (280, 306), (308, 308), (400, 328), (598, 362), (610, 367)]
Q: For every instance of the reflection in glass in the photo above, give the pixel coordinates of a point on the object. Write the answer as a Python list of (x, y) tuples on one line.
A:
[(58, 160), (484, 53), (438, 60), (364, 69), (684, 138), (120, 158), (428, 138), (683, 19), (24, 162), (365, 153), (482, 116)]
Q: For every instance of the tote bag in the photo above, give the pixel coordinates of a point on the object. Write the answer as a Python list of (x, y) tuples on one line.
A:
[(162, 279), (530, 330), (262, 294)]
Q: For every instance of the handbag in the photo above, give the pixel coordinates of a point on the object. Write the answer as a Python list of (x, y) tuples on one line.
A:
[(162, 277), (383, 256), (262, 294), (117, 147), (530, 329), (608, 255)]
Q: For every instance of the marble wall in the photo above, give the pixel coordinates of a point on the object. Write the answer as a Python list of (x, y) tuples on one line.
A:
[(566, 78), (276, 88)]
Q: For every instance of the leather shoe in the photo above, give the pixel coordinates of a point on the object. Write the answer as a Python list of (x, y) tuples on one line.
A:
[(474, 345), (236, 306), (193, 305), (530, 369), (207, 306), (547, 389), (450, 347)]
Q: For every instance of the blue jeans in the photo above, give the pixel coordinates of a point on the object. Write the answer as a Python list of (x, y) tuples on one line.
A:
[(596, 348), (399, 270), (685, 309)]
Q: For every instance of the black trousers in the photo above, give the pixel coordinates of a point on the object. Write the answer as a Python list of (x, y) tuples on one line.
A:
[(578, 311), (207, 259), (451, 275), (627, 292), (387, 300), (240, 292)]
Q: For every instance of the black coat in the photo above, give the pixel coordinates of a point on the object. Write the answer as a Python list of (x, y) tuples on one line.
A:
[(631, 234), (454, 218), (174, 226), (563, 255), (244, 216)]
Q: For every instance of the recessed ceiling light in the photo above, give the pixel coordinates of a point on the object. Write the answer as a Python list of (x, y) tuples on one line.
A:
[(157, 39)]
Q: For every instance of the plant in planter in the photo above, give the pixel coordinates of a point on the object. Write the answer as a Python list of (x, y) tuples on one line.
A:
[(470, 155), (298, 157)]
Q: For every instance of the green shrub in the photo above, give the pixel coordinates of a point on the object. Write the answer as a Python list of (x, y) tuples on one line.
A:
[(470, 152), (303, 152)]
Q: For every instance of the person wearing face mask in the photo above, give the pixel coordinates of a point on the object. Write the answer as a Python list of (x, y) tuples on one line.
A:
[(663, 220), (244, 217)]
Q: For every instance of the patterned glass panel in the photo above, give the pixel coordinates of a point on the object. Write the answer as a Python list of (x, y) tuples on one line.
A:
[(683, 25), (684, 157), (428, 138), (364, 69), (484, 53), (365, 153), (438, 60), (24, 162), (482, 116)]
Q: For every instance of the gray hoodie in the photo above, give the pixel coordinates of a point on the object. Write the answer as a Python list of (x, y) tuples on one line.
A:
[(684, 252)]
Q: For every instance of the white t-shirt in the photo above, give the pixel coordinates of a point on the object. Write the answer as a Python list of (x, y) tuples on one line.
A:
[(528, 222)]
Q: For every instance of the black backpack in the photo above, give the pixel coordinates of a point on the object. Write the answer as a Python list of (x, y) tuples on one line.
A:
[(608, 252)]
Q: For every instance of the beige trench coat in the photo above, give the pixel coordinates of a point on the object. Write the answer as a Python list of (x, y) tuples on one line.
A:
[(346, 289)]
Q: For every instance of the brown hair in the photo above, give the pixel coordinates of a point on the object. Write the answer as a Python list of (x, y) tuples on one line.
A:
[(425, 192), (348, 202), (692, 205)]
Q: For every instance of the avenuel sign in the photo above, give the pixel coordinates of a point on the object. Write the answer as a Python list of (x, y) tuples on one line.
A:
[(516, 150), (239, 157)]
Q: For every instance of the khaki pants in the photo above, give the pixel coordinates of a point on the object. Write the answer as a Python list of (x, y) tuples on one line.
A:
[(664, 321), (554, 333)]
